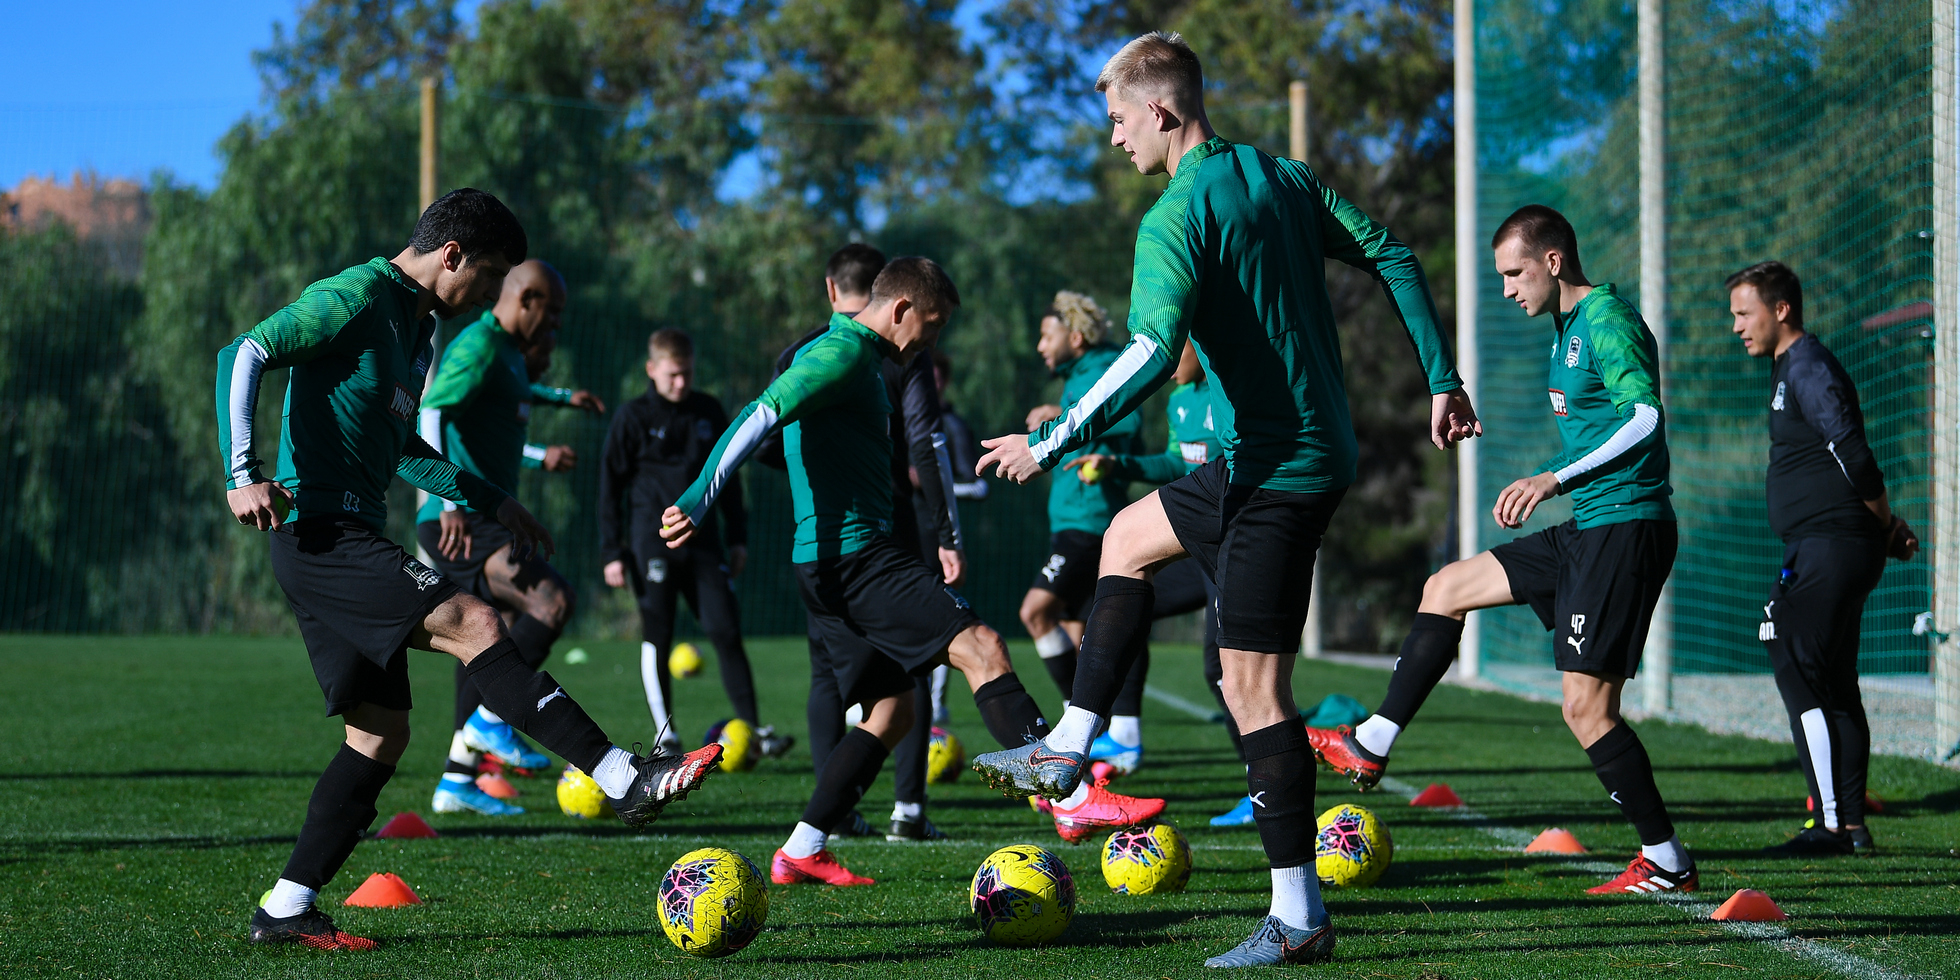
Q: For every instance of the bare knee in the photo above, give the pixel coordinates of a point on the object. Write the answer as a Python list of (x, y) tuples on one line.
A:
[(464, 626), (1038, 612), (552, 604), (380, 734), (1444, 593)]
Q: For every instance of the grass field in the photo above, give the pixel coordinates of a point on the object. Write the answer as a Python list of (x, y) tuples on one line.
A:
[(153, 787)]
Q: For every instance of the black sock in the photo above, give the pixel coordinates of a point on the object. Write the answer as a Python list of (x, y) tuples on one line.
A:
[(342, 807), (1010, 714), (909, 755), (533, 703), (736, 677), (1129, 699), (467, 696), (852, 767), (1110, 640), (1624, 769), (825, 711), (1279, 777), (1426, 656), (1061, 667), (533, 639)]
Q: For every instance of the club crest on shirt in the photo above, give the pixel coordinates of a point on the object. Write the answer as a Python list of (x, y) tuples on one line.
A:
[(1776, 404), (656, 570), (1558, 401), (423, 575), (1572, 354)]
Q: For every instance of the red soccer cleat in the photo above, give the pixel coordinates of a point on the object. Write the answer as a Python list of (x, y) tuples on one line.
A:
[(312, 929), (821, 868), (1644, 877), (1103, 810), (1337, 748)]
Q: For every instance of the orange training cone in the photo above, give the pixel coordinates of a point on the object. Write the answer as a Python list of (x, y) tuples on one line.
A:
[(1438, 794), (1555, 840), (1872, 804), (406, 825), (383, 891), (497, 786), (1749, 905)]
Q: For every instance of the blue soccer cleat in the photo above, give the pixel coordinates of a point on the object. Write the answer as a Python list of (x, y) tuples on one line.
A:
[(1032, 769), (1275, 943), (464, 797), (501, 742), (1238, 816), (1122, 758)]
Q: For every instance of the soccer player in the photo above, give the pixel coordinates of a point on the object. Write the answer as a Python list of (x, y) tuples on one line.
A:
[(1827, 502), (476, 413), (357, 345), (884, 616), (1230, 256), (654, 449), (1593, 580)]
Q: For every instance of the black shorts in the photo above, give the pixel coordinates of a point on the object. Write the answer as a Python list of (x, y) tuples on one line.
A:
[(1070, 571), (357, 596), (487, 536), (1258, 545), (1595, 587), (883, 617)]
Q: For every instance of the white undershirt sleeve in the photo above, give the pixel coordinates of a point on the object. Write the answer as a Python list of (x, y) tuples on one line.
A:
[(1646, 419)]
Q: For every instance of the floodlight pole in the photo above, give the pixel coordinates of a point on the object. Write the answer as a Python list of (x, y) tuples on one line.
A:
[(1296, 104), (1944, 636), (430, 92), (1470, 259), (1657, 661)]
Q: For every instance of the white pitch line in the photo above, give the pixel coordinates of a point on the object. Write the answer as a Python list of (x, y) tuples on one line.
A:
[(1165, 697)]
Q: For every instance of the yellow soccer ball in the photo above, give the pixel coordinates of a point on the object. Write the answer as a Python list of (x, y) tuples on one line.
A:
[(1023, 895), (1352, 848), (685, 661), (739, 751), (945, 757), (580, 797), (713, 902), (1153, 860)]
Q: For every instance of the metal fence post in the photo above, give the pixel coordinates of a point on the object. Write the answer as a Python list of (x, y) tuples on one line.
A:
[(1657, 661), (1943, 641), (1470, 259)]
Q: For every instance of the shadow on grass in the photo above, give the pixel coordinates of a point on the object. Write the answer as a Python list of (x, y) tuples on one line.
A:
[(159, 774)]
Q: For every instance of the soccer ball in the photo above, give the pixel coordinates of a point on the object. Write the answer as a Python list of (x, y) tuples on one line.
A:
[(738, 747), (685, 661), (1152, 860), (580, 797), (1023, 895), (1352, 848), (712, 902), (945, 756)]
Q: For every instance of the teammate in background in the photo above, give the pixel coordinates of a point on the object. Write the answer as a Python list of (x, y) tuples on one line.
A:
[(1592, 580), (1827, 502), (962, 452), (885, 617), (477, 413), (1075, 345), (655, 448), (357, 344), (1230, 256)]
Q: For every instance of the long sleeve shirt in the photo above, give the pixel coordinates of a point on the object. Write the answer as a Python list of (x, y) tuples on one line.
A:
[(1821, 469), (1193, 440), (654, 450), (477, 411), (1605, 391), (1072, 504)]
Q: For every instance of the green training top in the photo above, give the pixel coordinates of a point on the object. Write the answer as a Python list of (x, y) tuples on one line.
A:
[(1193, 439), (1072, 504), (1231, 255), (1605, 388), (478, 409), (832, 399), (358, 359)]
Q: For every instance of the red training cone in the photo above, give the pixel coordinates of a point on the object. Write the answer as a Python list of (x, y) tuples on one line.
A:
[(1438, 794), (496, 786), (383, 891), (406, 825), (1100, 771), (1872, 804), (1555, 840), (1749, 905)]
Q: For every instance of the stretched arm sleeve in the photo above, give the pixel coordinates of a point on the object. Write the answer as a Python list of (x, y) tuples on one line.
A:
[(926, 444), (300, 332), (423, 467), (550, 395), (1155, 468), (733, 509), (1830, 404), (1632, 380), (959, 443), (615, 476), (810, 384)]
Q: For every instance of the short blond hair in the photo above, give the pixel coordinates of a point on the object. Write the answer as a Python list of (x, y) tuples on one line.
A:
[(1080, 313), (1158, 64)]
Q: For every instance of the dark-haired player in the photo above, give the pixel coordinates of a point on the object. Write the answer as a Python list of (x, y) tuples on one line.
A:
[(1827, 502), (885, 617), (1593, 580), (1231, 256), (477, 413), (357, 344)]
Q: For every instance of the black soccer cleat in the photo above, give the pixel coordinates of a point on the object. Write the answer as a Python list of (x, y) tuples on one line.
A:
[(1815, 842), (664, 777), (1861, 842), (311, 928), (914, 830), (772, 745), (853, 825)]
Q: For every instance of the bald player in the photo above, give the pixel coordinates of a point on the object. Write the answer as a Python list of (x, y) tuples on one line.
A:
[(477, 413)]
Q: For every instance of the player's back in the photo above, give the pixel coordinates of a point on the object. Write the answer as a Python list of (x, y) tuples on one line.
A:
[(839, 449)]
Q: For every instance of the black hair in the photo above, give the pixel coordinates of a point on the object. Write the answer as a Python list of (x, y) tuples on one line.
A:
[(1775, 283), (854, 268), (918, 279), (1542, 230), (473, 219)]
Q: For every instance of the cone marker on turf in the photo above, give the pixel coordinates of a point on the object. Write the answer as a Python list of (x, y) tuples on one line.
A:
[(496, 785), (406, 825), (1749, 905), (1438, 794), (383, 890), (1555, 840), (1872, 804)]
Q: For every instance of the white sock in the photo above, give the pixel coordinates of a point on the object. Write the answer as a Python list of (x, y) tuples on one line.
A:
[(1074, 799), (804, 841), (1296, 898), (1377, 734), (457, 778), (615, 772), (1075, 731), (289, 898), (489, 717), (1054, 644), (908, 812), (650, 678), (939, 676), (1126, 730), (1670, 854), (459, 751)]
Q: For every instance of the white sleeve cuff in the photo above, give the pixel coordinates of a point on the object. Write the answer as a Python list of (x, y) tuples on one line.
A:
[(1646, 419)]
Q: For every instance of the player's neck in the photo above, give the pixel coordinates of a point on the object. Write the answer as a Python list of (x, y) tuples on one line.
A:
[(1186, 137), (421, 269), (1788, 340), (1571, 292)]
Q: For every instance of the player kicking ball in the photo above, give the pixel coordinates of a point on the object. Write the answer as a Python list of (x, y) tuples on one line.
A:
[(885, 618), (357, 345), (1593, 580), (1231, 256)]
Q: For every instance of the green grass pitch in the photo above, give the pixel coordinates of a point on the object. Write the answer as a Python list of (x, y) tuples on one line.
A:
[(152, 788)]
